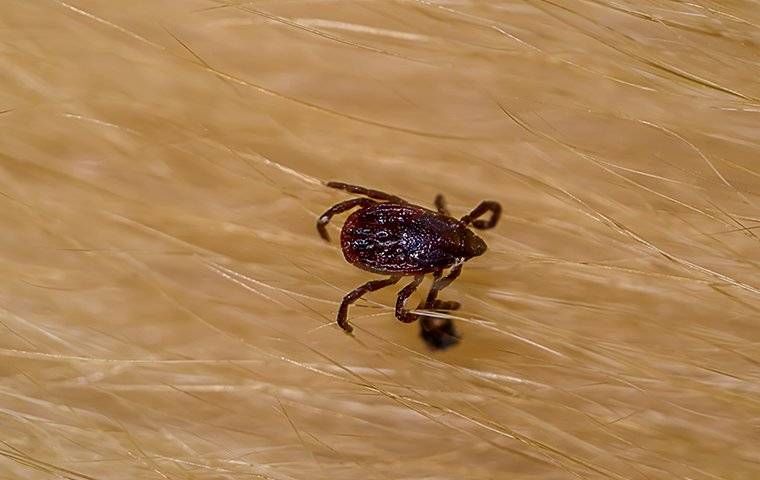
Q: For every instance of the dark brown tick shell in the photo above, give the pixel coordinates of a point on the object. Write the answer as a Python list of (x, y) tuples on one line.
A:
[(390, 238)]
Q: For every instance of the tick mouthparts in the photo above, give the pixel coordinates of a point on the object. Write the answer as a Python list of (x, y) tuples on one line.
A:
[(473, 245)]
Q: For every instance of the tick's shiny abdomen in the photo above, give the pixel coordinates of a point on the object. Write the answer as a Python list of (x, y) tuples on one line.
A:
[(400, 238)]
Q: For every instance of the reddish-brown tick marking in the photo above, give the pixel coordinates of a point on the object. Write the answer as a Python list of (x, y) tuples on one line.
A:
[(390, 236)]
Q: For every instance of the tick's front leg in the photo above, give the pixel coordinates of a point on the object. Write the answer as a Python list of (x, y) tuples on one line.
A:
[(440, 205), (401, 312), (438, 285), (356, 294), (444, 305), (484, 207), (431, 303), (439, 333)]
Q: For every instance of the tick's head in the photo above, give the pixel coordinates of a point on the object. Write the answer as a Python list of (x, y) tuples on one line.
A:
[(473, 245)]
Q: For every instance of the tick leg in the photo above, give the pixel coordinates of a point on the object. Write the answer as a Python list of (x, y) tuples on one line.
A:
[(484, 207), (438, 285), (356, 294), (431, 303), (375, 194), (339, 208), (439, 333), (440, 205), (402, 313), (445, 305), (426, 304)]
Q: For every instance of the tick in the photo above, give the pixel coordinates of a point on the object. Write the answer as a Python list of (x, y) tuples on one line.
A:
[(389, 236)]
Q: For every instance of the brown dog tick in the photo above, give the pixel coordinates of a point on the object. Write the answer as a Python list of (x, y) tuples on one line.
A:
[(390, 236)]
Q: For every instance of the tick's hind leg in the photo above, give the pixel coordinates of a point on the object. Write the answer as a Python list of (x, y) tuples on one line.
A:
[(484, 207), (339, 208), (367, 192), (401, 312), (356, 294), (440, 205)]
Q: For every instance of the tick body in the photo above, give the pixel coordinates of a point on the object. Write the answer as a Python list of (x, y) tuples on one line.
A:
[(389, 236)]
